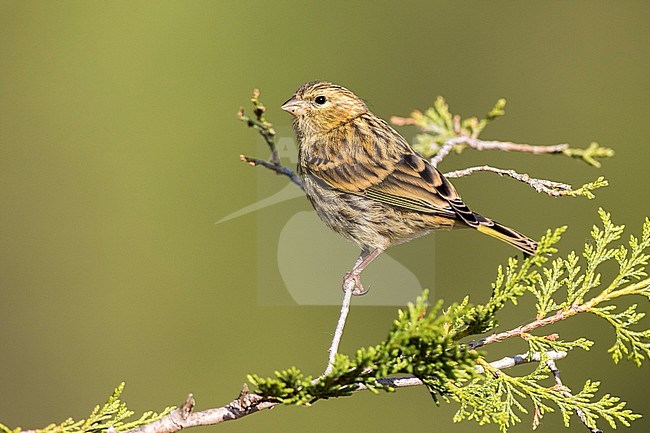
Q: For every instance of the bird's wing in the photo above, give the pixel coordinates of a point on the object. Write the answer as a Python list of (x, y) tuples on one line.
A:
[(415, 184), (404, 180)]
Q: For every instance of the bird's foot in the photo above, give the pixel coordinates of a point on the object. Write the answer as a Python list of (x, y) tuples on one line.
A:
[(352, 281)]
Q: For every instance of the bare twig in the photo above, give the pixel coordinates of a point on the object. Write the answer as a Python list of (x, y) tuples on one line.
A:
[(549, 187), (248, 403), (266, 131), (338, 332), (508, 146), (278, 168), (403, 121), (505, 146), (567, 393)]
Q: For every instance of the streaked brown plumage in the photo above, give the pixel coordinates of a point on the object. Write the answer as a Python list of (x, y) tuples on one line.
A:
[(367, 184)]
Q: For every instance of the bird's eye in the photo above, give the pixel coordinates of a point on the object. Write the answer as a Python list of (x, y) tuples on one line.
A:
[(320, 100)]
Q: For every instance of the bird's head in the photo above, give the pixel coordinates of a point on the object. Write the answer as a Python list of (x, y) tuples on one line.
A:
[(320, 106)]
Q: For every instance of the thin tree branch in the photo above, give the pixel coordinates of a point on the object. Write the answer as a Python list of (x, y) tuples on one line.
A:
[(552, 188), (505, 146), (278, 168), (267, 132), (338, 332), (184, 417), (248, 403)]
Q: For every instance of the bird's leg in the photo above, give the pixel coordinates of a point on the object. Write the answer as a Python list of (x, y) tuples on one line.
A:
[(352, 281)]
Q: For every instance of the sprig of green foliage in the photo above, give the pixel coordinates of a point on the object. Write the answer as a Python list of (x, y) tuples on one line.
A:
[(590, 153), (566, 273), (262, 125), (501, 399), (509, 286), (114, 413), (259, 122), (586, 189), (419, 344), (427, 342), (562, 289), (438, 125)]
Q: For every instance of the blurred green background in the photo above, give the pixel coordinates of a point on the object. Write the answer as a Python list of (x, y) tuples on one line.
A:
[(119, 151)]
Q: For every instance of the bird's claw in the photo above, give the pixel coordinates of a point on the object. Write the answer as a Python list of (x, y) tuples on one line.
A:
[(351, 281)]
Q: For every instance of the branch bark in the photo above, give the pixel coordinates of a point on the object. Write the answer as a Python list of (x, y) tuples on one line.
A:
[(549, 187), (506, 146), (248, 403), (338, 332), (274, 166)]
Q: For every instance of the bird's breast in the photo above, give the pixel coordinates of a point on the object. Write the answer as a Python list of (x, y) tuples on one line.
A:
[(368, 223)]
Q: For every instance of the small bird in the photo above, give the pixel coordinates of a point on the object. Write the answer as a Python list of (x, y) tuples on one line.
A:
[(367, 183)]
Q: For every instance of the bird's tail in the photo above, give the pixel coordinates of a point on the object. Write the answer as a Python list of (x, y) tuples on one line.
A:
[(505, 234)]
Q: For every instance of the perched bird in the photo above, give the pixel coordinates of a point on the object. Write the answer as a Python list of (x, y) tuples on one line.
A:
[(367, 184)]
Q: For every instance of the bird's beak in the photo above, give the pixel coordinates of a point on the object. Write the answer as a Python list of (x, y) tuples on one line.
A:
[(294, 106)]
